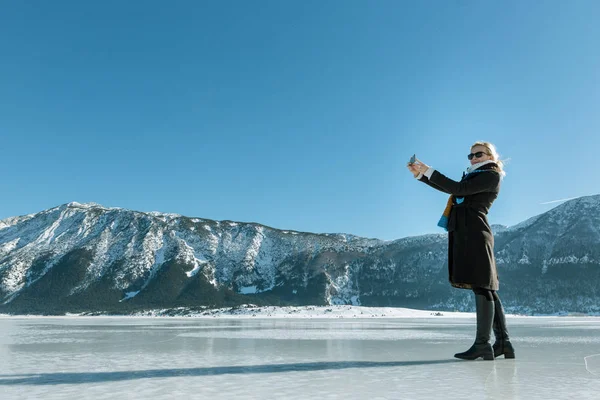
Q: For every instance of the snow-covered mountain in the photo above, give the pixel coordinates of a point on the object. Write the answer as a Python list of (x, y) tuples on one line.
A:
[(85, 257), (551, 262)]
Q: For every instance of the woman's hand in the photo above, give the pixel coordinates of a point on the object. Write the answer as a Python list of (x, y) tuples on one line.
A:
[(420, 166), (413, 169)]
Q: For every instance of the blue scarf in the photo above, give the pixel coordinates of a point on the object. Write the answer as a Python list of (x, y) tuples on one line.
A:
[(443, 222)]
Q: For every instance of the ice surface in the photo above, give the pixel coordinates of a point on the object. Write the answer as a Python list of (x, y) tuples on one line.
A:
[(292, 358)]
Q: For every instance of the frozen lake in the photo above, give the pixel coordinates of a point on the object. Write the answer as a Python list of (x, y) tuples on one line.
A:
[(204, 358)]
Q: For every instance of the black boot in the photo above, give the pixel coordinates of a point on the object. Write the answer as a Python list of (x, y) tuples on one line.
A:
[(502, 346), (485, 318)]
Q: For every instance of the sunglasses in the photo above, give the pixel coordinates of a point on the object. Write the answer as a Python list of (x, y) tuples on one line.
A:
[(479, 154)]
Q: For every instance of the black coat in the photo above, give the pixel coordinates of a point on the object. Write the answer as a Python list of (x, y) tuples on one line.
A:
[(471, 262)]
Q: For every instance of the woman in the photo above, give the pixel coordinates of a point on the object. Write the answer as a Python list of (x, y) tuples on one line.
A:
[(471, 263)]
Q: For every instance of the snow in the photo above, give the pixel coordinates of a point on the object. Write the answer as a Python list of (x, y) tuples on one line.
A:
[(80, 205), (101, 255), (48, 234), (9, 246), (254, 248), (188, 254), (572, 260), (130, 295), (164, 216), (343, 287), (524, 260), (307, 312), (14, 278), (194, 270), (157, 243)]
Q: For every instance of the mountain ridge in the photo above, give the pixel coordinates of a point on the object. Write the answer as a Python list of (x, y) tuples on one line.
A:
[(87, 257)]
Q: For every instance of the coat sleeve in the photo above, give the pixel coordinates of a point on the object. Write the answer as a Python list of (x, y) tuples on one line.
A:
[(487, 181), (425, 180)]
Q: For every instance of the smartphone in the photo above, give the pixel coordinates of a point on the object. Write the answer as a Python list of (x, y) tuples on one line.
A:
[(412, 159)]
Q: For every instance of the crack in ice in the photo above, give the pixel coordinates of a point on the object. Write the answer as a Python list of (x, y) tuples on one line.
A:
[(586, 363)]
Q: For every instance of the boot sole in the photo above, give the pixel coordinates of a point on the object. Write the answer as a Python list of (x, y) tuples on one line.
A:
[(487, 357), (506, 355)]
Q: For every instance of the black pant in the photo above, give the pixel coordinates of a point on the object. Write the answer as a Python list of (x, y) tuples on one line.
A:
[(490, 295)]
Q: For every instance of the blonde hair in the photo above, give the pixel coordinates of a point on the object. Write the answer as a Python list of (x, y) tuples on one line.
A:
[(491, 150)]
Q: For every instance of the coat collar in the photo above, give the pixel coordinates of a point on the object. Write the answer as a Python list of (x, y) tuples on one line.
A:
[(481, 164)]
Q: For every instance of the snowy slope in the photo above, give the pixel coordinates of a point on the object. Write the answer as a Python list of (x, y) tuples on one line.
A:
[(85, 256), (242, 257)]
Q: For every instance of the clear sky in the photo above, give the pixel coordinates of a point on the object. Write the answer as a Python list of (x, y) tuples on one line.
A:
[(296, 114)]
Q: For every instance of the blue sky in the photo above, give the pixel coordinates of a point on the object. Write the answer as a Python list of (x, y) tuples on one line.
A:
[(296, 114)]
